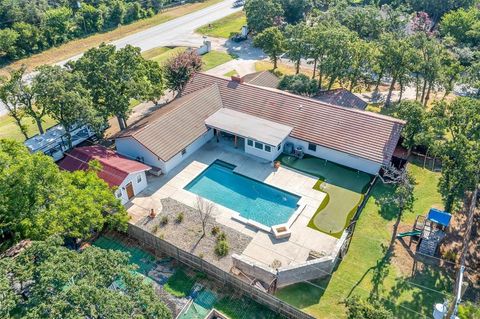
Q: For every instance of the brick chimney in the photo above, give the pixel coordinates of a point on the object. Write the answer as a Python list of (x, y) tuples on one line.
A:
[(237, 79)]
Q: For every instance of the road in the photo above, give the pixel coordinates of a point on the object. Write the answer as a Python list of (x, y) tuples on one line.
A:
[(179, 31)]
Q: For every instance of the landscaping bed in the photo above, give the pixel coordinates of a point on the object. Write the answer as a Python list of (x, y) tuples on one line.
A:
[(187, 234)]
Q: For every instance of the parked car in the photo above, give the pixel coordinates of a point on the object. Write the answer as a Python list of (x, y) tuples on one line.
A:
[(238, 3)]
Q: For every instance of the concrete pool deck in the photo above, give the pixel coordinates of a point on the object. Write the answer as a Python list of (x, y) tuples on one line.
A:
[(263, 248)]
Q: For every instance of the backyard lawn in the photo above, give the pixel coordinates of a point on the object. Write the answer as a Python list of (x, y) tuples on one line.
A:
[(344, 187), (215, 58), (225, 27), (9, 129), (367, 268)]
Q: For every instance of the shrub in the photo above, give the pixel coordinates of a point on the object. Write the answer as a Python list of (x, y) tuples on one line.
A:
[(450, 255), (298, 84), (221, 248), (201, 255), (222, 236), (179, 218), (155, 229), (164, 220), (215, 230)]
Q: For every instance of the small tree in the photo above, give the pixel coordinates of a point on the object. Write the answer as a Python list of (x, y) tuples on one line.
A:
[(181, 68), (271, 41), (414, 113), (205, 210), (10, 91), (298, 84), (364, 309)]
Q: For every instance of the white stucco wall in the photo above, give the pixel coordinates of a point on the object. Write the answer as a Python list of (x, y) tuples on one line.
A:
[(345, 159), (131, 148), (269, 156), (199, 142), (137, 186)]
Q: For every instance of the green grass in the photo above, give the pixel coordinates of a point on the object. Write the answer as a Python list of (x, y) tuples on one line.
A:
[(243, 308), (9, 128), (231, 73), (225, 27), (345, 188), (179, 284), (215, 58), (366, 267), (162, 54)]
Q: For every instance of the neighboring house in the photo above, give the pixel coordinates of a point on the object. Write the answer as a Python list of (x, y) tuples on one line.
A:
[(341, 97), (259, 121), (126, 176), (262, 78)]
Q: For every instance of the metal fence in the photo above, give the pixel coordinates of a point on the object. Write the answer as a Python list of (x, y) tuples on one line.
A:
[(216, 273)]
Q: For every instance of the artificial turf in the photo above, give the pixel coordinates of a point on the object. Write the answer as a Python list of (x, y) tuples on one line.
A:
[(345, 188)]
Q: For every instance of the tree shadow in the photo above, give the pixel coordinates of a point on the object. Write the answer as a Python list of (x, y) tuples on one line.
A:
[(428, 285), (304, 294)]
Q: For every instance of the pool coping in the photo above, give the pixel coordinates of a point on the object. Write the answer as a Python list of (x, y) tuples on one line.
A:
[(236, 216)]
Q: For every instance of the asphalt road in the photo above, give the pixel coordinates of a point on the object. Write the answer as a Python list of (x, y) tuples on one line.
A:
[(179, 31)]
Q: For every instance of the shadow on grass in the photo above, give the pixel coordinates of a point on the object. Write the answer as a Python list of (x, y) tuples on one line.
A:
[(433, 285), (304, 294)]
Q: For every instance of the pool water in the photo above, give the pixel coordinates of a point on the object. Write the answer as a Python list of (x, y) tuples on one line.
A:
[(252, 199)]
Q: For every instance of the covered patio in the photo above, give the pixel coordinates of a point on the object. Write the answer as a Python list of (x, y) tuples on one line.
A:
[(254, 135)]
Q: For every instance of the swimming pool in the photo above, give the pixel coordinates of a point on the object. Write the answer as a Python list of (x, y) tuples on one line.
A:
[(252, 199)]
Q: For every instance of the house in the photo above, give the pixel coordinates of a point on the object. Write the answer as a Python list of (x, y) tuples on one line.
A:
[(124, 175), (262, 78), (341, 97), (259, 121)]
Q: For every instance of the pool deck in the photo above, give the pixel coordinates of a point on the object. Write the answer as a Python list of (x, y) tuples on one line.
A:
[(263, 248)]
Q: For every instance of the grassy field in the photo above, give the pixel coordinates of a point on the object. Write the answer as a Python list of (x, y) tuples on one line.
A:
[(225, 27), (179, 284), (9, 129), (367, 268), (162, 54), (215, 58), (75, 47), (345, 188), (231, 73)]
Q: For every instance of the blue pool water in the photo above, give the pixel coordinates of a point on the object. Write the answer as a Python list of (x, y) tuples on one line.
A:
[(252, 199)]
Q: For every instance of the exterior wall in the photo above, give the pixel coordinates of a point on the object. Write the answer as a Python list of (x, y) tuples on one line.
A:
[(190, 149), (131, 148), (345, 159), (137, 186), (269, 156)]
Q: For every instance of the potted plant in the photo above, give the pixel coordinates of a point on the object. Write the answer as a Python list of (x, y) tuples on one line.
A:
[(276, 164)]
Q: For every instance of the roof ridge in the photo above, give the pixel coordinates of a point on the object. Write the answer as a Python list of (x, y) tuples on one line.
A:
[(94, 157), (187, 97), (367, 113)]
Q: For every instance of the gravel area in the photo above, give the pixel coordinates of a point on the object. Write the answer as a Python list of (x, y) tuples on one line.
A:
[(187, 234)]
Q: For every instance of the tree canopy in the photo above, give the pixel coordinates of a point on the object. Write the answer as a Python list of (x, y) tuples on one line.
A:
[(181, 68), (37, 199), (262, 14), (52, 281), (272, 42)]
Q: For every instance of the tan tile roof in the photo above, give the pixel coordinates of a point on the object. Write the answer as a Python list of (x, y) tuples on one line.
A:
[(364, 134), (169, 130), (262, 78)]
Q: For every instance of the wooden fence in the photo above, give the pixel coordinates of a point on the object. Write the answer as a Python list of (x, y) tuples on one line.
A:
[(216, 273)]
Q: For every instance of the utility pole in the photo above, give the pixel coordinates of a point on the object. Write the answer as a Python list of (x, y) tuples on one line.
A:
[(459, 287)]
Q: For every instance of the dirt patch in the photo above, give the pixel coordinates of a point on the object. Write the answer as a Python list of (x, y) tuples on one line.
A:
[(187, 234), (452, 246)]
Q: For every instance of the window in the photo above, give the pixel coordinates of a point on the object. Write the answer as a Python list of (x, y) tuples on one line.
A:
[(268, 148), (184, 151), (279, 147), (118, 193), (250, 142), (139, 178), (312, 147), (259, 145)]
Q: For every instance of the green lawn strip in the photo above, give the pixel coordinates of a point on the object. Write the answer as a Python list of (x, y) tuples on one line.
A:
[(366, 268), (345, 188), (243, 308), (225, 27), (152, 53), (167, 54), (9, 129), (231, 73), (179, 284), (215, 58)]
